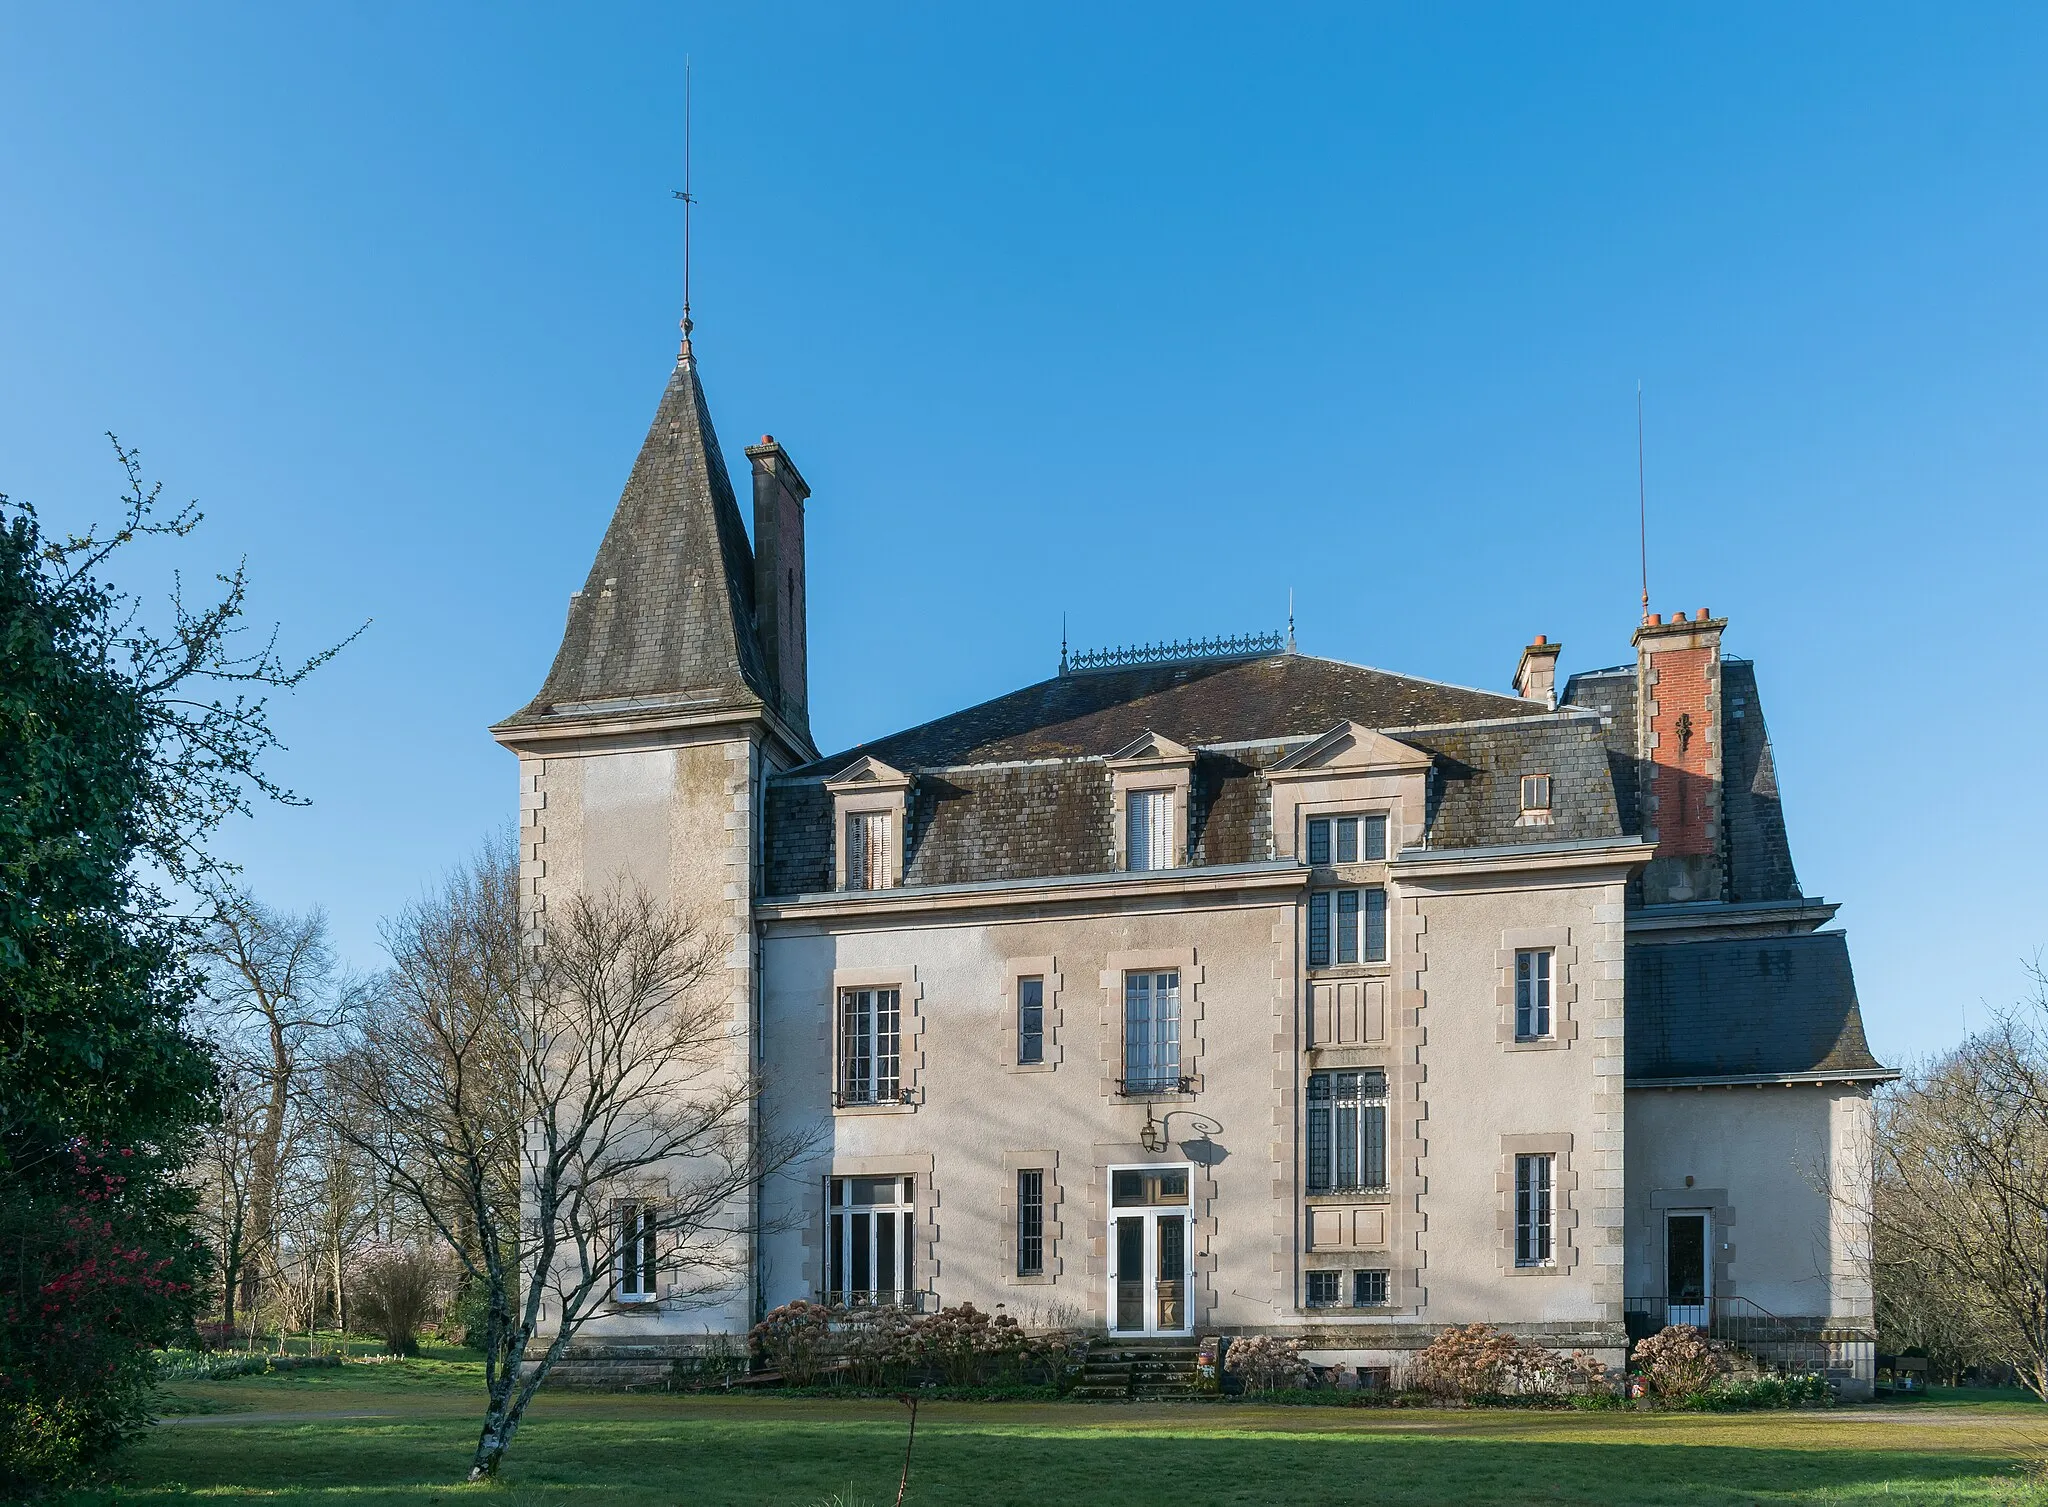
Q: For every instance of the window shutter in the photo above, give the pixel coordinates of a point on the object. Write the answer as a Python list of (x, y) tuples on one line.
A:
[(1165, 853), (1137, 831)]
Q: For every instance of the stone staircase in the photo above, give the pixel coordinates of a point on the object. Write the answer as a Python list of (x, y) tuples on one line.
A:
[(618, 1367), (1138, 1371)]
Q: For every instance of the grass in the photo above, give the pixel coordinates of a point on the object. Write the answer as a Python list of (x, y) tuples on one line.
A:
[(400, 1433)]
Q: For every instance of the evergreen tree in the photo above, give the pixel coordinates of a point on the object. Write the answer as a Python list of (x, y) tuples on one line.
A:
[(122, 748)]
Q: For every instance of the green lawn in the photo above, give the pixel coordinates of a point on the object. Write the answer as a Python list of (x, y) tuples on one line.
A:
[(289, 1439)]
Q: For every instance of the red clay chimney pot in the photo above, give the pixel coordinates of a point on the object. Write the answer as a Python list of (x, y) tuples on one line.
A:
[(1702, 615), (1543, 638)]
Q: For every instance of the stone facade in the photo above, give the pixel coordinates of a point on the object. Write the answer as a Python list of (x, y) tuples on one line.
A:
[(1379, 896)]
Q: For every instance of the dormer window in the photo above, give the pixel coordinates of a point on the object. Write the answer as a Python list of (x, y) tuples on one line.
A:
[(1536, 792), (1347, 839), (869, 802), (867, 850), (1148, 830)]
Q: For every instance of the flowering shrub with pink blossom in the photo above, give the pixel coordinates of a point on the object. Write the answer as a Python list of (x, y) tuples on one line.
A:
[(1678, 1362), (1479, 1360)]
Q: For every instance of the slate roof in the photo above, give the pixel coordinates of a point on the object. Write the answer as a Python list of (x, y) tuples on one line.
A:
[(1097, 712), (1750, 1008), (667, 612)]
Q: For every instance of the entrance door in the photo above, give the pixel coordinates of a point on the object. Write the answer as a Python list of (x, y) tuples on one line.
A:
[(1149, 1236), (1687, 1293)]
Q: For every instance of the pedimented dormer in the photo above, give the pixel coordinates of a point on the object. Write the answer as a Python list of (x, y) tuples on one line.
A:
[(1149, 779), (1350, 772), (869, 799)]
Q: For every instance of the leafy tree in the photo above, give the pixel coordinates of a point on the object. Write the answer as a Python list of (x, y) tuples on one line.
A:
[(123, 746)]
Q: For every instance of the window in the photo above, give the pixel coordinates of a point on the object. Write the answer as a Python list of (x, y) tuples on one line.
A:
[(870, 1046), (1535, 792), (1347, 1131), (867, 850), (1030, 1020), (1151, 1034), (1347, 839), (1532, 993), (1031, 1222), (872, 1237), (633, 1263), (1347, 926), (1368, 1289), (1323, 1288), (1148, 834), (1375, 1378), (1533, 1182)]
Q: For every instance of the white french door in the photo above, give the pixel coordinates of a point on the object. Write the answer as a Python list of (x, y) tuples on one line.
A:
[(1688, 1267), (1149, 1239)]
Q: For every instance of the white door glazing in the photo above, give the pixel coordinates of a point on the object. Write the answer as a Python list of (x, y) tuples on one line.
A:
[(1149, 1238)]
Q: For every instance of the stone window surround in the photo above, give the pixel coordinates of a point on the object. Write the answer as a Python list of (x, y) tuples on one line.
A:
[(1721, 1257), (1151, 960), (864, 787), (1564, 1212), (910, 1028), (1564, 986), (1014, 972), (644, 1189), (1202, 1296), (926, 1205), (1047, 1162), (1163, 765)]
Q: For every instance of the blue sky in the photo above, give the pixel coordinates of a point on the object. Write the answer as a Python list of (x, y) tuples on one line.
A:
[(1141, 314)]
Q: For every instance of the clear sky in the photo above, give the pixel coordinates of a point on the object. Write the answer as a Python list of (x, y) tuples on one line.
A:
[(1144, 314)]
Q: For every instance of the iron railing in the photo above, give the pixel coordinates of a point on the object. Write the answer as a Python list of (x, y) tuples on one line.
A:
[(1790, 1345), (1239, 646), (1153, 1083), (910, 1300)]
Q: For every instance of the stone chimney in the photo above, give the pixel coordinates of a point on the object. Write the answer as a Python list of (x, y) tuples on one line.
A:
[(1536, 675), (779, 613), (1678, 749)]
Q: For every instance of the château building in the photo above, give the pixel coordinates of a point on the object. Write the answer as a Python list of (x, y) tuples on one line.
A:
[(1222, 989)]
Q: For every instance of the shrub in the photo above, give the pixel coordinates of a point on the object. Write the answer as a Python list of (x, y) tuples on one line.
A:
[(1478, 1360), (795, 1340), (398, 1289), (1264, 1361), (1678, 1362)]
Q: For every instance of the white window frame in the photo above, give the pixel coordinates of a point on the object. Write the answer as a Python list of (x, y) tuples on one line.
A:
[(1336, 1123), (1032, 1188), (1537, 792), (1535, 1207), (1355, 832), (1149, 840), (1028, 1038), (1152, 1021), (845, 1232), (1355, 932), (636, 1263), (869, 1023), (1535, 993)]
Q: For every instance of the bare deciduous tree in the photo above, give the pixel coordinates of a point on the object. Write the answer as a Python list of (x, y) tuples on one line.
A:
[(520, 1094), (1962, 1194)]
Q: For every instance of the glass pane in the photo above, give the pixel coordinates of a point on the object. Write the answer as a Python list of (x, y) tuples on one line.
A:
[(1347, 1145), (859, 1235), (1347, 839), (1172, 1235), (838, 1194), (1375, 1149), (872, 1190), (885, 1256), (1166, 1029), (1127, 1188), (1685, 1258), (1173, 1186), (1375, 839), (1319, 929), (909, 1249), (1318, 1147), (1375, 925), (837, 1283), (1319, 840), (1347, 926), (1130, 1273)]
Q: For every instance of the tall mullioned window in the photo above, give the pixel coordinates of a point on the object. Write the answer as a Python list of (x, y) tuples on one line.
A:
[(870, 1245), (633, 1262), (1347, 926), (1347, 1130), (1030, 1020), (1031, 1222), (870, 1046), (1535, 1218), (1151, 1033), (1532, 993), (1347, 839)]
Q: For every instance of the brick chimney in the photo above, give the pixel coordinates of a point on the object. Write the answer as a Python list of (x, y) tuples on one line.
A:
[(779, 614), (1678, 749), (1536, 675)]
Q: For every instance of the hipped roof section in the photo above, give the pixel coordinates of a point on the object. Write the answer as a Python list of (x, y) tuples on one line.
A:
[(666, 615)]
